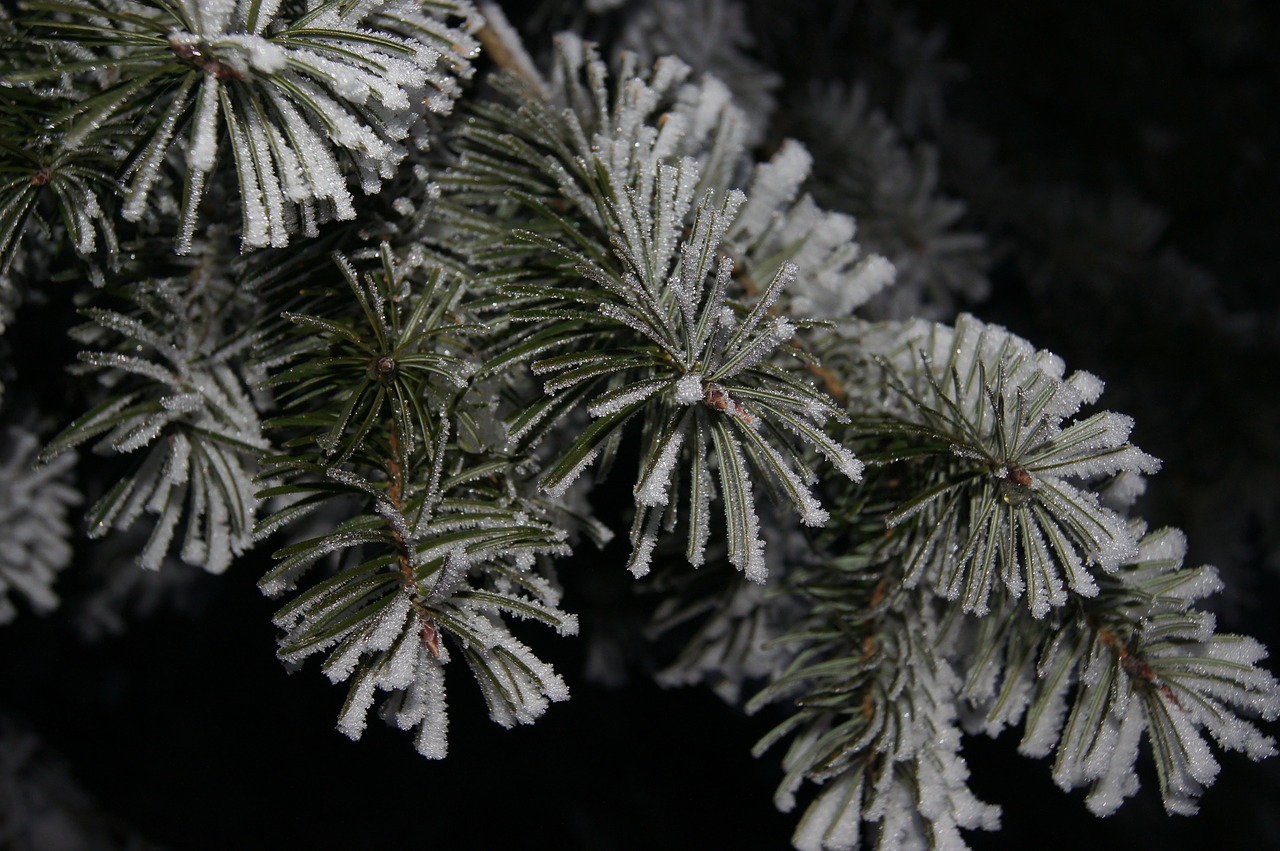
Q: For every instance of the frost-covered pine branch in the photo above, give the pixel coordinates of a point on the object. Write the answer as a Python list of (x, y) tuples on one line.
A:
[(1136, 662), (175, 394), (908, 525), (1006, 488), (876, 724), (299, 95), (431, 544), (34, 504), (649, 327)]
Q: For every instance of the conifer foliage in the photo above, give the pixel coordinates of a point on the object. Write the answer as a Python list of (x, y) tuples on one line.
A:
[(418, 398)]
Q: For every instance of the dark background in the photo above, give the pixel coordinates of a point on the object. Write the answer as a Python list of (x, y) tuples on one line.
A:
[(190, 733)]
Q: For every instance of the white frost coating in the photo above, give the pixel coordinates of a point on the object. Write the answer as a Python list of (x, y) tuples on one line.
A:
[(1052, 365), (1040, 737), (1018, 685), (1236, 734), (558, 490), (152, 555), (177, 464), (1121, 779), (389, 623), (1044, 583), (1088, 385), (355, 713), (320, 168), (1163, 545), (139, 435), (871, 275), (688, 389), (811, 511), (699, 537), (278, 214), (748, 556), (1122, 490), (210, 17), (289, 168), (429, 693), (267, 10), (516, 693), (1106, 430), (840, 457), (139, 366), (373, 636), (757, 346), (1104, 536), (653, 490), (452, 574), (642, 555), (263, 55), (1194, 767), (617, 402), (254, 233), (285, 582), (774, 186), (398, 668), (204, 135), (834, 821)]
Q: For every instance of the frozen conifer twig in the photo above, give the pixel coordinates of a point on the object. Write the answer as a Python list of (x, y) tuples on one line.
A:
[(1135, 661), (33, 511), (655, 334), (433, 555), (1009, 481), (294, 106), (423, 394), (175, 396)]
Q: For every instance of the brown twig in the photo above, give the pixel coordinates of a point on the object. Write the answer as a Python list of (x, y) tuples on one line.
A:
[(429, 631), (1134, 665)]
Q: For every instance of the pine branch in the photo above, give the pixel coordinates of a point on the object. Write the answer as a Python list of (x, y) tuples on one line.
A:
[(300, 99), (645, 328), (47, 183), (581, 267), (436, 546), (1137, 659), (173, 365), (875, 716), (1006, 501), (33, 510)]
